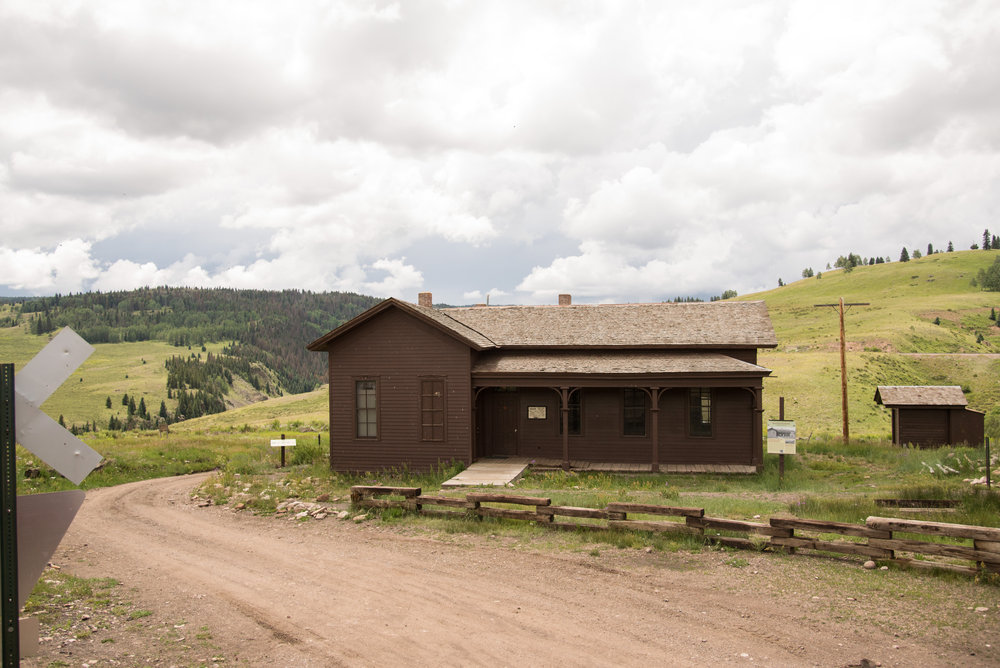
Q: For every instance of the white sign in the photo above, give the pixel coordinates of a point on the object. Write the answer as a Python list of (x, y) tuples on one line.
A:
[(35, 430), (781, 437), (282, 442)]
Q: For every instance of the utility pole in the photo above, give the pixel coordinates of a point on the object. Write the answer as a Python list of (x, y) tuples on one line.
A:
[(843, 359)]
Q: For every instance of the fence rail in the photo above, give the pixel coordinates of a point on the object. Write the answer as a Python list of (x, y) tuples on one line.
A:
[(877, 538)]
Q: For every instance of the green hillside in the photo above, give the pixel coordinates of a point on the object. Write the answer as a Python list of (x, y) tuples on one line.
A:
[(893, 341), (927, 324)]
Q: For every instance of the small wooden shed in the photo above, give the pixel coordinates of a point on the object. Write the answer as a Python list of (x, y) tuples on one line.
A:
[(931, 415)]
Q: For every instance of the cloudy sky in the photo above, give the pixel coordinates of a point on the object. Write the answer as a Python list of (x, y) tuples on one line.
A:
[(618, 151)]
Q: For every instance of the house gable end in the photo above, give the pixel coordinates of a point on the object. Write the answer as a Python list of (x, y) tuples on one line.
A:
[(327, 340)]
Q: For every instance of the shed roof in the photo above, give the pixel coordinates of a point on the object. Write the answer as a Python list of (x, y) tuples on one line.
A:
[(664, 325), (920, 395), (617, 362)]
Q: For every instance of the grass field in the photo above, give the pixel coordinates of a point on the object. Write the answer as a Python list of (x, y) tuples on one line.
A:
[(894, 341)]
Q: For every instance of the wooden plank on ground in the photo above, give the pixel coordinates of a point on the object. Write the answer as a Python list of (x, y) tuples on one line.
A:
[(840, 547), (662, 527), (987, 546), (449, 501), (724, 524), (739, 543), (934, 565), (917, 503), (823, 526), (934, 528), (574, 511), (511, 514), (937, 549), (484, 497), (647, 509)]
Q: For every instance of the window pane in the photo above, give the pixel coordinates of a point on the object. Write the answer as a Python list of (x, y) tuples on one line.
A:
[(635, 412), (432, 409), (366, 408), (700, 403)]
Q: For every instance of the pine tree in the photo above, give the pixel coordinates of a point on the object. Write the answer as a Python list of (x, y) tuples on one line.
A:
[(951, 247), (996, 242), (163, 409), (125, 399), (904, 256), (987, 239), (143, 413), (993, 314), (930, 249), (107, 402), (131, 406)]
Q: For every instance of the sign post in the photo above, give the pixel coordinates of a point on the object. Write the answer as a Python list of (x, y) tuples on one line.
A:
[(781, 438), (22, 421), (282, 443), (10, 646)]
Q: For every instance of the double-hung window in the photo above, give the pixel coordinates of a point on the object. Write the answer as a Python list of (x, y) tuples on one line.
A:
[(432, 409), (700, 407), (366, 408), (634, 412)]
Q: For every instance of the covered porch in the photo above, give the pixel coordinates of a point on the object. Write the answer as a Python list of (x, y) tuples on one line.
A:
[(625, 411)]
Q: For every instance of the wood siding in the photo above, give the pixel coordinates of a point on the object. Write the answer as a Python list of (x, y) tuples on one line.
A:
[(398, 351), (602, 436), (923, 426), (931, 427)]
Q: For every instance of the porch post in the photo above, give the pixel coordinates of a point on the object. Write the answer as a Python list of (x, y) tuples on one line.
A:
[(564, 398), (654, 396)]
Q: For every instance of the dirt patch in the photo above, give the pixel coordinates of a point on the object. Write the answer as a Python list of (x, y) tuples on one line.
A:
[(292, 592)]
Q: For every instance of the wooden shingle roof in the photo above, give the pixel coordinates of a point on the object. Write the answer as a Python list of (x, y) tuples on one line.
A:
[(664, 325), (920, 395), (617, 362)]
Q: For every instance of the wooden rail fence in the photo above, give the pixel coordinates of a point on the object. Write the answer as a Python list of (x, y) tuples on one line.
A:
[(883, 538)]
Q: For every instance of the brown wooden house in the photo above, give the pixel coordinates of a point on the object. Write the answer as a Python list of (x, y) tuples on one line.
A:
[(931, 415), (649, 384)]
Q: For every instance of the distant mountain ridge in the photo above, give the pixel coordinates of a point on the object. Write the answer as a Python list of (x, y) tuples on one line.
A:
[(265, 327)]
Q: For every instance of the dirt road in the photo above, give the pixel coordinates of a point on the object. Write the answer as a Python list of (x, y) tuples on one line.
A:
[(330, 593)]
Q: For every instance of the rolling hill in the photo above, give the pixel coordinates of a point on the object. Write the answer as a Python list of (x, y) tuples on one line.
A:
[(926, 324)]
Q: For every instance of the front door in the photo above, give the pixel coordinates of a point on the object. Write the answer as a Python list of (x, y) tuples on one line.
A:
[(505, 423)]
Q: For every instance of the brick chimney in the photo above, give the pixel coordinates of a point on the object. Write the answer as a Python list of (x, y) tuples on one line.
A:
[(425, 299), (565, 300)]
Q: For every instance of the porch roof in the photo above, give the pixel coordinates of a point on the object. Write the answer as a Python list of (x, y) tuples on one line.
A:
[(613, 363)]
